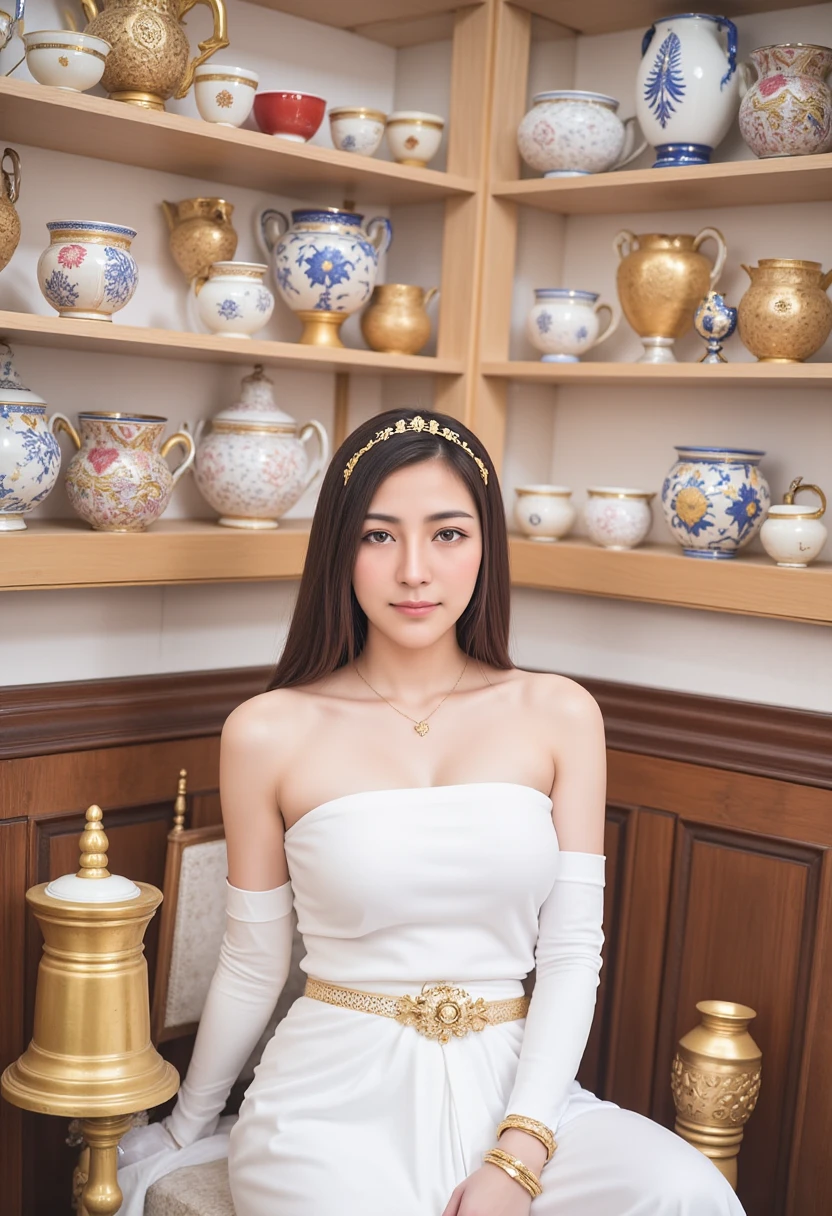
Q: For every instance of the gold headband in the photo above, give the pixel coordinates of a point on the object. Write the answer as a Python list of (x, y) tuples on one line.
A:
[(418, 425)]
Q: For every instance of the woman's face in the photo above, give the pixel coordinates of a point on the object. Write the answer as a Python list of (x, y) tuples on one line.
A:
[(419, 553)]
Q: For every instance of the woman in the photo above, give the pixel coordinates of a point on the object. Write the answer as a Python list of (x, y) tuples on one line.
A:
[(437, 817)]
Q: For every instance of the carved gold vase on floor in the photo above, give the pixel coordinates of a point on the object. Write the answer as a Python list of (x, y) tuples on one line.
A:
[(396, 319), (201, 233), (661, 281), (149, 60), (715, 1080), (90, 1054), (785, 315)]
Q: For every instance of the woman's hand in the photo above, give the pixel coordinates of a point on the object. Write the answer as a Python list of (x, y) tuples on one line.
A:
[(489, 1191), (147, 1141)]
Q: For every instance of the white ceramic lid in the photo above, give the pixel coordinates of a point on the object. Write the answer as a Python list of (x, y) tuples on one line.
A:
[(12, 389), (257, 405), (110, 890)]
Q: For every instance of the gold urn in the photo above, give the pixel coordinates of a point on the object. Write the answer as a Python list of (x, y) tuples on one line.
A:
[(661, 281), (149, 61), (785, 315), (9, 219), (715, 1079), (201, 233), (396, 319)]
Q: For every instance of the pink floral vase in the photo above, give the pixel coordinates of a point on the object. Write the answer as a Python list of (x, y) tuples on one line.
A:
[(118, 480), (788, 110)]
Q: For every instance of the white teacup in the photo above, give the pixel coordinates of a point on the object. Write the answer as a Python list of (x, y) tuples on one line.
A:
[(792, 534), (617, 517), (413, 136), (224, 95), (544, 512), (357, 129), (66, 59)]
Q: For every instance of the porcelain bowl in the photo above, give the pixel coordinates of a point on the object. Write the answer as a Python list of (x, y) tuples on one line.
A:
[(413, 136), (357, 129), (224, 95), (66, 59), (544, 512), (294, 116), (617, 517)]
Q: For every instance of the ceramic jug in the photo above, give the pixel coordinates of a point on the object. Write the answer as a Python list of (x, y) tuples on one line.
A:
[(661, 280), (30, 458), (788, 110), (396, 319), (253, 466), (9, 219), (149, 60), (792, 534), (785, 315), (201, 233), (687, 89), (118, 480)]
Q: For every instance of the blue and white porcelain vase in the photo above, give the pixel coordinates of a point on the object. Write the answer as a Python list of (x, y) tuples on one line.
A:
[(715, 321), (325, 265), (30, 458), (88, 271), (715, 500), (687, 90), (234, 301), (564, 324)]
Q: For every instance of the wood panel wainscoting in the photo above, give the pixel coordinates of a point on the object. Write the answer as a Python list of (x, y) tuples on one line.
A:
[(719, 849)]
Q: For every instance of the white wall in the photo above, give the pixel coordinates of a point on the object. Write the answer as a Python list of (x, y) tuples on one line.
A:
[(579, 436)]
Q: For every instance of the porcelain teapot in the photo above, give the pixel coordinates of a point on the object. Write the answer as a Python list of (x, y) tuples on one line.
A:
[(252, 465)]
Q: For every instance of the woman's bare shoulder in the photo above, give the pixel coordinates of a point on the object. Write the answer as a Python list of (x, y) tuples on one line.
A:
[(567, 700), (280, 713)]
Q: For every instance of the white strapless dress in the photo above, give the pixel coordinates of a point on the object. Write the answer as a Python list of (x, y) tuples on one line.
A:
[(352, 1114)]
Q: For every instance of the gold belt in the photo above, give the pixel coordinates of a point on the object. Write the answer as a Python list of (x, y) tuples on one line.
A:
[(439, 1011)]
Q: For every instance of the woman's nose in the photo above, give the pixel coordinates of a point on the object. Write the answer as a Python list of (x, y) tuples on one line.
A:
[(414, 568)]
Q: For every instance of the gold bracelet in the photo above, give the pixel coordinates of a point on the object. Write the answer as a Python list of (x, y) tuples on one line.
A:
[(516, 1169), (539, 1130)]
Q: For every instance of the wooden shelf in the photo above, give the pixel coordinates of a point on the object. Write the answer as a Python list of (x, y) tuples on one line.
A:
[(738, 183), (607, 16), (659, 574), (66, 553), (402, 23), (111, 338), (666, 375), (109, 130)]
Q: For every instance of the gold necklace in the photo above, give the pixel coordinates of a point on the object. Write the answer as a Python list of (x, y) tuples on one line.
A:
[(419, 725)]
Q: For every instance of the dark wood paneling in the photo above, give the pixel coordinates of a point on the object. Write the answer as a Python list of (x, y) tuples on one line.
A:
[(12, 1035)]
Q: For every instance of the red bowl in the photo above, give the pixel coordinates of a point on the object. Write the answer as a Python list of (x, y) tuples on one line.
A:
[(294, 116)]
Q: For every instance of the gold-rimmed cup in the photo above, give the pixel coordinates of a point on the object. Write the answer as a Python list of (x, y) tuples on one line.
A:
[(66, 59), (357, 129), (544, 512), (414, 136), (618, 517), (224, 94)]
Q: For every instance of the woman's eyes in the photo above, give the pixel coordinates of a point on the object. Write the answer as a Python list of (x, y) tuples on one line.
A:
[(446, 535)]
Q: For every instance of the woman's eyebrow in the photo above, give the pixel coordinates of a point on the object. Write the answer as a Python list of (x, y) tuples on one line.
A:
[(435, 518)]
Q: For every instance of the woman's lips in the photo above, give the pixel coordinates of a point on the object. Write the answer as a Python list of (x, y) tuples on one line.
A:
[(422, 608)]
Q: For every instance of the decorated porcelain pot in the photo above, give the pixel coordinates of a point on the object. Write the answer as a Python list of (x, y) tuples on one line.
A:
[(118, 480), (253, 465), (357, 129), (788, 109), (617, 517), (564, 323), (235, 301), (325, 264), (715, 500), (570, 133), (715, 321), (792, 534), (544, 512), (687, 90), (30, 458), (88, 271)]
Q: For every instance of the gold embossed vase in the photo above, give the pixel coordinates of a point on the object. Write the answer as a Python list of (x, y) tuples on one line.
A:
[(9, 194), (715, 500), (715, 1078), (119, 480), (785, 315), (396, 319), (150, 58), (661, 281), (201, 233)]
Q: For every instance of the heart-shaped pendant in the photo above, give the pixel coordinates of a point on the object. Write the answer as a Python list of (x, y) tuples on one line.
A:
[(421, 728)]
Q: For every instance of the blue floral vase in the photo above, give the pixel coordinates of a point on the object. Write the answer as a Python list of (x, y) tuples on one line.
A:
[(30, 458), (325, 265), (87, 270), (715, 500)]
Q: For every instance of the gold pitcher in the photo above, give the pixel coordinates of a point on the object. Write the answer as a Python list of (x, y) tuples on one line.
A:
[(396, 321), (201, 233), (149, 60), (785, 315), (661, 281), (9, 219)]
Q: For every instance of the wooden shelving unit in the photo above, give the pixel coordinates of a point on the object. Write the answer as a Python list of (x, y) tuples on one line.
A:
[(665, 375), (104, 337), (608, 16)]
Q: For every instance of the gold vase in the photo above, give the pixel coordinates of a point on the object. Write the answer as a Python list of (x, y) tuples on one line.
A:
[(785, 315), (9, 219), (149, 60), (715, 1080), (661, 281), (396, 319), (201, 233)]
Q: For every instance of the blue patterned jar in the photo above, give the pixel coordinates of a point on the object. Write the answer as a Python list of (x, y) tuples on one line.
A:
[(30, 458), (88, 271), (325, 264), (715, 500)]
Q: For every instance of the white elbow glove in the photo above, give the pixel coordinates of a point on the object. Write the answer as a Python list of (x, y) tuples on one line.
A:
[(252, 970), (568, 961)]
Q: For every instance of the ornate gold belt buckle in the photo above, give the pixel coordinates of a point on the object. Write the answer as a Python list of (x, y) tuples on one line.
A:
[(441, 1010)]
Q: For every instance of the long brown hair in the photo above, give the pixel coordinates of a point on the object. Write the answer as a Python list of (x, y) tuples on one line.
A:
[(329, 627)]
